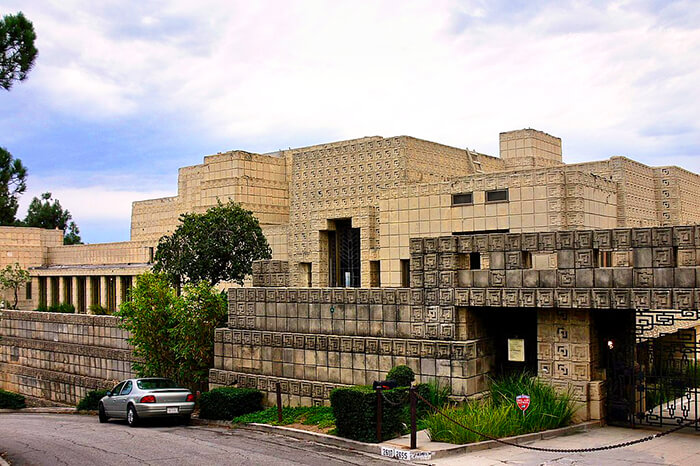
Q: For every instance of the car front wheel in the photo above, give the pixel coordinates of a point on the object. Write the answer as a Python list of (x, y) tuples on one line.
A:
[(101, 414), (132, 418)]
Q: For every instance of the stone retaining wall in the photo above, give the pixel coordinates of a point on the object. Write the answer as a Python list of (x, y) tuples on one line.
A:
[(59, 357)]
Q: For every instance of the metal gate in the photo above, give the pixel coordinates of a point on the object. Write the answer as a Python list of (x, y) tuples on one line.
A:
[(654, 373)]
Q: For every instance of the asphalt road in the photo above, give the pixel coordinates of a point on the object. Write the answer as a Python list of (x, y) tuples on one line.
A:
[(49, 439)]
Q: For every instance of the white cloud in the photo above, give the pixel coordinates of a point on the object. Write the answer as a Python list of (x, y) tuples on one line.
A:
[(609, 79)]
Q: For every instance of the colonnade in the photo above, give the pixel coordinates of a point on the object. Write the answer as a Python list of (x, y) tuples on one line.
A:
[(86, 293)]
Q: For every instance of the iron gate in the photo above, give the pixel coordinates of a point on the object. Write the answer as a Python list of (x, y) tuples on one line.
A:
[(654, 371)]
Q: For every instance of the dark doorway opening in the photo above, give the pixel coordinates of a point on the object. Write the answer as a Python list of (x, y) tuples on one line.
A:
[(344, 255), (514, 337)]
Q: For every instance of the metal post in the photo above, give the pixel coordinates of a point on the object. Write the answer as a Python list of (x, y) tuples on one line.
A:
[(412, 397), (379, 414), (278, 388)]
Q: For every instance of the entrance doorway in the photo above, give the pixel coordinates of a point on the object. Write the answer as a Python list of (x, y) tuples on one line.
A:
[(514, 337), (344, 255)]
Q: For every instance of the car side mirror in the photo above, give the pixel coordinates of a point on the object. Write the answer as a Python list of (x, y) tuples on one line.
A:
[(109, 393)]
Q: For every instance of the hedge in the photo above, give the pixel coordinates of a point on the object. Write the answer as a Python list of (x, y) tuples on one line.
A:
[(225, 403), (9, 400), (355, 411), (91, 400)]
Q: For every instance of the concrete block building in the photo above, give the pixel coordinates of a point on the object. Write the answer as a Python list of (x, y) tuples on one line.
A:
[(342, 214)]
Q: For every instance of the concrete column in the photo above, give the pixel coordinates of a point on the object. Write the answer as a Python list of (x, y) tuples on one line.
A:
[(103, 291), (88, 294), (36, 293), (118, 292), (61, 290), (74, 294)]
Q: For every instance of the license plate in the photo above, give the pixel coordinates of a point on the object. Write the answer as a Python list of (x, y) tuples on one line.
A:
[(174, 410)]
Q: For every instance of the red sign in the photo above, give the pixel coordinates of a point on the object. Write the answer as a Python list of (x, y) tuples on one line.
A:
[(523, 401)]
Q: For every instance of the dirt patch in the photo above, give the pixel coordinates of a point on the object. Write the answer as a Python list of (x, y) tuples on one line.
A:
[(310, 428)]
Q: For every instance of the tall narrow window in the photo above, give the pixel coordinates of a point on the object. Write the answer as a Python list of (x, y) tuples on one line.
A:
[(28, 290), (405, 273), (375, 274)]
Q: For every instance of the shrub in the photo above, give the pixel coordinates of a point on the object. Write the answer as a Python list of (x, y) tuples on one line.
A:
[(91, 400), (321, 416), (355, 411), (64, 308), (98, 310), (226, 403), (498, 416), (435, 393), (402, 375), (9, 400)]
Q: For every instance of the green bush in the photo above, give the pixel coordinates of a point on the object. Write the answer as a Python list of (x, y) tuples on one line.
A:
[(498, 415), (91, 400), (226, 403), (435, 393), (64, 308), (9, 400), (98, 310), (355, 411), (402, 375)]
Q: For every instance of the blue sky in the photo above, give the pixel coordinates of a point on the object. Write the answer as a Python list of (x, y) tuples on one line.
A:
[(124, 93)]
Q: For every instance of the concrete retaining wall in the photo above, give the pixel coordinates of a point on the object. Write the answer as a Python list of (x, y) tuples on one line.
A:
[(59, 357)]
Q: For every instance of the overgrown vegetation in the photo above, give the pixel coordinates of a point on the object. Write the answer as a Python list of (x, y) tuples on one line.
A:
[(10, 400), (320, 416), (173, 335), (64, 308), (498, 415), (226, 403), (671, 385), (99, 310), (90, 401)]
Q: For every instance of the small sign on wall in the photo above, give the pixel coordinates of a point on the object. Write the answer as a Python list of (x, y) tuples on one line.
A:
[(516, 350)]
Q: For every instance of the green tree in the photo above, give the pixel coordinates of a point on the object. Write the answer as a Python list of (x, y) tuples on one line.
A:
[(13, 176), (149, 316), (173, 336), (198, 312), (219, 245), (17, 51), (48, 213), (13, 277)]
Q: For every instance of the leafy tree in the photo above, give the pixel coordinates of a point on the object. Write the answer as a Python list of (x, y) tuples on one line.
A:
[(219, 245), (173, 336), (13, 183), (149, 316), (43, 213), (17, 51), (13, 277), (198, 311)]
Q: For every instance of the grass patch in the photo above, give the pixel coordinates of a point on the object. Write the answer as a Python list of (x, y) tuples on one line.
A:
[(321, 416), (498, 416)]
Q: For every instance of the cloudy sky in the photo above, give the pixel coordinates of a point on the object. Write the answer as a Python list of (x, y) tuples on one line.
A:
[(123, 93)]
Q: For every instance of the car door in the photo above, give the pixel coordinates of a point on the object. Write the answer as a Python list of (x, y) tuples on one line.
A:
[(121, 401), (109, 402)]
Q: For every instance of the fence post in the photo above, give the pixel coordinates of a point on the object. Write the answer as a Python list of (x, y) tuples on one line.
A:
[(278, 388), (412, 397), (379, 414)]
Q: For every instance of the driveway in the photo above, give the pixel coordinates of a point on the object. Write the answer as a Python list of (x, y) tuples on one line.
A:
[(38, 439)]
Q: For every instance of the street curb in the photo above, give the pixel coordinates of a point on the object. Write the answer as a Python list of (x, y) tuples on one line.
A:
[(46, 410), (376, 448)]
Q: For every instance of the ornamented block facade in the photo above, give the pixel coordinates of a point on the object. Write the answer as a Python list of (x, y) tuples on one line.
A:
[(342, 214)]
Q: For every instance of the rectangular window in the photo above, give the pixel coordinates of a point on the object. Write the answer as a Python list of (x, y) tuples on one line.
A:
[(28, 290), (497, 195), (306, 273), (605, 258), (405, 273), (527, 260), (463, 199), (374, 274), (474, 260)]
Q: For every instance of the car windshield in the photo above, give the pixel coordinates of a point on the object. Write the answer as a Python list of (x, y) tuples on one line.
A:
[(151, 384)]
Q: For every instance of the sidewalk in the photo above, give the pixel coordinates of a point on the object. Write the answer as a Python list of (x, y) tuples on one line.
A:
[(680, 448)]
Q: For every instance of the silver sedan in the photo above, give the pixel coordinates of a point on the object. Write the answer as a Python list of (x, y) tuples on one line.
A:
[(135, 399)]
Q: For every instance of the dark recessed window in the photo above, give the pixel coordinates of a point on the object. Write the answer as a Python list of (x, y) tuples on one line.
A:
[(462, 199), (497, 195)]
